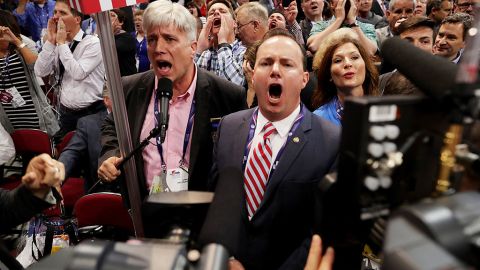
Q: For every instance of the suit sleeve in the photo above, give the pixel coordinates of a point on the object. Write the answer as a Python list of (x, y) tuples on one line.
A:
[(75, 150), (213, 177), (109, 140), (18, 206)]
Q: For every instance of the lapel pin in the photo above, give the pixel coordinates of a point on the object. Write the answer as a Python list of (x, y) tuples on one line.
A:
[(296, 139)]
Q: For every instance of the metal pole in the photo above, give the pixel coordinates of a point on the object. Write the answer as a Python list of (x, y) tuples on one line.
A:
[(109, 53)]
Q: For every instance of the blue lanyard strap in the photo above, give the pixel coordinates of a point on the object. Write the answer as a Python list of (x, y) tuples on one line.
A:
[(186, 138), (251, 133)]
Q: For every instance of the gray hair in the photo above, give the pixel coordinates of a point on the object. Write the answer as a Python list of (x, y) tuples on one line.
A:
[(255, 11), (164, 13), (393, 2)]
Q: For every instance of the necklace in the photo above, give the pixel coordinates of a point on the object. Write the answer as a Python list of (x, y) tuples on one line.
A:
[(338, 108)]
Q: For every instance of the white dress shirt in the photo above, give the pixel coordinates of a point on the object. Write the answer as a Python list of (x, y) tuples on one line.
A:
[(82, 81), (277, 139), (7, 148)]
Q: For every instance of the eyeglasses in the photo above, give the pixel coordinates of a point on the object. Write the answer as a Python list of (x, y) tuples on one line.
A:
[(242, 25)]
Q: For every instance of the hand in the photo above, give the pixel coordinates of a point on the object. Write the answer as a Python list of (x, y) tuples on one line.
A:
[(235, 265), (398, 22), (61, 32), (21, 6), (352, 13), (7, 35), (204, 40), (51, 35), (42, 173), (227, 28), (108, 170), (291, 13), (247, 71), (315, 260), (340, 10)]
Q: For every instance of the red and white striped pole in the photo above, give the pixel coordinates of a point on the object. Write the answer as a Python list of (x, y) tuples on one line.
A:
[(94, 6)]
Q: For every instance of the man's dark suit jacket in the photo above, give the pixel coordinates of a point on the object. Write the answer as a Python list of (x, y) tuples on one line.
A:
[(214, 98), (377, 9), (83, 150), (290, 210), (18, 206)]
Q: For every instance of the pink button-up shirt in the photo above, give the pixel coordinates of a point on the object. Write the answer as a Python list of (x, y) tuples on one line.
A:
[(179, 110)]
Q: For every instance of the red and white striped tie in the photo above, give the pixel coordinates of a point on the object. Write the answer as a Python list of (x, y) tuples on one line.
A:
[(258, 169)]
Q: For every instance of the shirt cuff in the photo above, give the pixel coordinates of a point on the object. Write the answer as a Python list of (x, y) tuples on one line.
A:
[(224, 45), (49, 47), (50, 198), (294, 26)]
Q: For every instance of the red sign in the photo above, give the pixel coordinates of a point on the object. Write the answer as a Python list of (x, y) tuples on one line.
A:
[(94, 6)]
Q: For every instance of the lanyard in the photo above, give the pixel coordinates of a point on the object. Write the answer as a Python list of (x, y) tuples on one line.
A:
[(7, 72), (140, 45), (338, 108), (186, 138), (251, 133)]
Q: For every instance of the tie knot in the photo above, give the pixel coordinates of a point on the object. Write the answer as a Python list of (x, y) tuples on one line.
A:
[(268, 130)]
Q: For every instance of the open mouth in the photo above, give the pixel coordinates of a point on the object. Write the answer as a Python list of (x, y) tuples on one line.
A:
[(164, 65), (275, 91), (217, 22), (272, 25)]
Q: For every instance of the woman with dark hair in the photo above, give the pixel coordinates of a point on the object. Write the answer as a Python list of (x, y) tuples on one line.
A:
[(124, 42), (195, 10), (22, 102), (343, 68)]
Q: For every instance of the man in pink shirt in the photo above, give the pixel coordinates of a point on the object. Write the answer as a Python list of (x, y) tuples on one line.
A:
[(184, 160)]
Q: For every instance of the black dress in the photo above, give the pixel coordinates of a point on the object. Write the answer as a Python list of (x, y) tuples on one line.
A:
[(126, 48)]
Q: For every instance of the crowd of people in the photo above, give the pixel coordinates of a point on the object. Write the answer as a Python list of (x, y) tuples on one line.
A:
[(258, 86)]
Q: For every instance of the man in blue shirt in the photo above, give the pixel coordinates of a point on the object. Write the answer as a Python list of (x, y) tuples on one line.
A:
[(33, 16)]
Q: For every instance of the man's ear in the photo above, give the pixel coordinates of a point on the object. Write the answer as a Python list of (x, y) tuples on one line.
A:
[(306, 77), (193, 45), (256, 24)]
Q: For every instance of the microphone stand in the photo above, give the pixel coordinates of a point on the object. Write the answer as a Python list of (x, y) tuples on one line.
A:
[(153, 133)]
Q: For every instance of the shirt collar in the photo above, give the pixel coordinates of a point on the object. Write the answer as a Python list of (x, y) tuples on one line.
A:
[(457, 58), (282, 126), (79, 35)]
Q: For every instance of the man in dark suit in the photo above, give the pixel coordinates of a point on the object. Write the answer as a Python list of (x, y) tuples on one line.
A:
[(280, 166), (83, 150), (197, 93)]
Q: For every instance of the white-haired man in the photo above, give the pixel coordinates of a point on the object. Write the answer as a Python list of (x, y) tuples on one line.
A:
[(198, 97)]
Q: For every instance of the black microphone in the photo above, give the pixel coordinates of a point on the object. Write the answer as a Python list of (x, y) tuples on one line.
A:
[(164, 94), (434, 75)]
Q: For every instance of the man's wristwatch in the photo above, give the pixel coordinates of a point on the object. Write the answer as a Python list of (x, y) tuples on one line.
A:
[(351, 25)]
